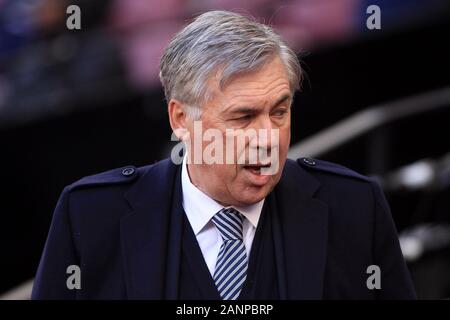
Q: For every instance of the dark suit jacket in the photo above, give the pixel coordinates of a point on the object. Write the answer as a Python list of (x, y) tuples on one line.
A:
[(122, 228)]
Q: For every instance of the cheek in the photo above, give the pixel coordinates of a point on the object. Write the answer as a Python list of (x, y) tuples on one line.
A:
[(224, 173), (285, 138)]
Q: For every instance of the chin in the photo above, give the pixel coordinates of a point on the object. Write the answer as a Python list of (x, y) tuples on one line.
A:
[(249, 197)]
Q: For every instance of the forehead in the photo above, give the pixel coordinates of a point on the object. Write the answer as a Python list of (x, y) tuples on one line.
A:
[(266, 84)]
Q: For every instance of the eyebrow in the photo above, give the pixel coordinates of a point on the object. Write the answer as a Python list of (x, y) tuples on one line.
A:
[(280, 100)]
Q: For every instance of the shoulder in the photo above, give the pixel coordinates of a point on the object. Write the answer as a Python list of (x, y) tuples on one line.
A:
[(118, 176), (122, 176), (340, 179), (331, 177), (323, 168)]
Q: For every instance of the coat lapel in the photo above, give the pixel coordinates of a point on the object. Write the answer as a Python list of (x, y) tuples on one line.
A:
[(302, 227), (151, 235)]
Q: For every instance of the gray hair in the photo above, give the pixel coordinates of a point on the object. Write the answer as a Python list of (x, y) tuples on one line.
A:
[(220, 41)]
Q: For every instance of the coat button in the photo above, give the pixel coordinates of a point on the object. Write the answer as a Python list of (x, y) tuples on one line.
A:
[(309, 161), (128, 172)]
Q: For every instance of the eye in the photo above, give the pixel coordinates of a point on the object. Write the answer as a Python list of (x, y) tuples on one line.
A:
[(243, 118), (280, 112)]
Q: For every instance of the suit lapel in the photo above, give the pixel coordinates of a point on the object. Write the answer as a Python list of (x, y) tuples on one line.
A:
[(151, 235), (303, 226)]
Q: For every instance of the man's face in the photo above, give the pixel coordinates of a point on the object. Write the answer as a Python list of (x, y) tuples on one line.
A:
[(250, 102)]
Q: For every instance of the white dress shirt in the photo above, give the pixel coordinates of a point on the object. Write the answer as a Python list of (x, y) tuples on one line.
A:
[(200, 208)]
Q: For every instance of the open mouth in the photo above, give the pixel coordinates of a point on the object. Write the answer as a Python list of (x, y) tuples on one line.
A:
[(256, 169)]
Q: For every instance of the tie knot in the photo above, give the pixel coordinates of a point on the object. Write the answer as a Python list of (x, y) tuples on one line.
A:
[(229, 223)]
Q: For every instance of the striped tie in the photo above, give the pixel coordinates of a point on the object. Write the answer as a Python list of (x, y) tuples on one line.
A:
[(231, 265)]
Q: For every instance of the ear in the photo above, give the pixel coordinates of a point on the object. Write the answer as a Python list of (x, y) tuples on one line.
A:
[(178, 118)]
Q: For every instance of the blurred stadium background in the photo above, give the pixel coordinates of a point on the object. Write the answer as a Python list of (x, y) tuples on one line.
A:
[(76, 102)]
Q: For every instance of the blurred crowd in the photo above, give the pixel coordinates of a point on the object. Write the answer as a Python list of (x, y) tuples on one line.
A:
[(46, 68)]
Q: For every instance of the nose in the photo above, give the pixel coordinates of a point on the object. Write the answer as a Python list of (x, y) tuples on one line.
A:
[(267, 135)]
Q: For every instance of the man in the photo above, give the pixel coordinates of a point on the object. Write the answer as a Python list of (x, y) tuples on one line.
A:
[(235, 219)]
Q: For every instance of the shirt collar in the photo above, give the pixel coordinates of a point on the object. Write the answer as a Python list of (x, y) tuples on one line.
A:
[(200, 208)]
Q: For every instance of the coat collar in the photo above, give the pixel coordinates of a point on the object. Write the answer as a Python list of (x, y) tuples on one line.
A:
[(151, 233), (301, 232)]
